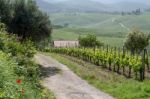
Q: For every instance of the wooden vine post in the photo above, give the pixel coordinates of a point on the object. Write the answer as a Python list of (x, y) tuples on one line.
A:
[(118, 65), (110, 62), (114, 69), (107, 48), (147, 61), (123, 50), (148, 67), (142, 69), (130, 68)]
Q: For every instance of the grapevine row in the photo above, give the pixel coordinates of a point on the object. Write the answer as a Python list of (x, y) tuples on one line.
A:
[(125, 64)]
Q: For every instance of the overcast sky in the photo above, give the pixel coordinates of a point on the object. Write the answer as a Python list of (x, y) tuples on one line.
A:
[(114, 1), (109, 1)]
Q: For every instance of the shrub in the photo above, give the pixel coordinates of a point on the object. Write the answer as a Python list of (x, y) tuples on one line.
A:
[(16, 63), (89, 41), (22, 52), (136, 41)]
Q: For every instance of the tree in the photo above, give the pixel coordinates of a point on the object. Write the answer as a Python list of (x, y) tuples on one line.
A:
[(23, 17), (29, 22), (89, 41), (5, 12), (136, 41)]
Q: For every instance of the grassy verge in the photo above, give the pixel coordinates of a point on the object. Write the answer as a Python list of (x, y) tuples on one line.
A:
[(13, 86), (112, 83)]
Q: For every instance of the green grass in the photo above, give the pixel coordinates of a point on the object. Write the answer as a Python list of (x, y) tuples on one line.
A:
[(112, 83), (79, 20), (102, 23), (112, 41), (64, 34), (60, 34)]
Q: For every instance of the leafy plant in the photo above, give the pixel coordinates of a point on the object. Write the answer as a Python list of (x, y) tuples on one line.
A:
[(111, 59), (89, 41), (16, 63)]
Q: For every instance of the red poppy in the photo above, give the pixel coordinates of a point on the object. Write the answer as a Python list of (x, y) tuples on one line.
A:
[(18, 81)]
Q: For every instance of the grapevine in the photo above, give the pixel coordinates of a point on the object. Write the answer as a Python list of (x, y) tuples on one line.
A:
[(108, 59)]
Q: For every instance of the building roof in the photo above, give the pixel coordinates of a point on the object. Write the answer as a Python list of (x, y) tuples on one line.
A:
[(66, 43)]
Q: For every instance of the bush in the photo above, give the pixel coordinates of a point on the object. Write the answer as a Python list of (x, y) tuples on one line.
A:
[(89, 41), (136, 41), (16, 63), (22, 52)]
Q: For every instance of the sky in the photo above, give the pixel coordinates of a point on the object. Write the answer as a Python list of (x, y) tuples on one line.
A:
[(109, 1), (115, 1)]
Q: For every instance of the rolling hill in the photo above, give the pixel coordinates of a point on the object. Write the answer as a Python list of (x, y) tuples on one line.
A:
[(110, 28), (88, 6)]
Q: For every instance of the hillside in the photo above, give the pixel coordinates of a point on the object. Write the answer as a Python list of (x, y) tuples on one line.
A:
[(71, 6), (88, 6), (111, 28)]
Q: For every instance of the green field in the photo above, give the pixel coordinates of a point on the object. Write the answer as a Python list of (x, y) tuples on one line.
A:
[(60, 34), (109, 28)]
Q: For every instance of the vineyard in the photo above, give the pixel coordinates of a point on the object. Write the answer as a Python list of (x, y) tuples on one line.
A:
[(120, 62)]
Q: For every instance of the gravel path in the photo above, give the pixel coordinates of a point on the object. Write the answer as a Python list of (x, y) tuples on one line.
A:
[(66, 84)]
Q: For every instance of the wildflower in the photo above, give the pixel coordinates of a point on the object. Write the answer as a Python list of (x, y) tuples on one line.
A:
[(18, 81)]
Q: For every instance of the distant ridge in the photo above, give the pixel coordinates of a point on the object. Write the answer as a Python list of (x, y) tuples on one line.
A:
[(88, 6)]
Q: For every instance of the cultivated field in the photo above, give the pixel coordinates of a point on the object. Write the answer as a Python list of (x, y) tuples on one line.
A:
[(110, 28)]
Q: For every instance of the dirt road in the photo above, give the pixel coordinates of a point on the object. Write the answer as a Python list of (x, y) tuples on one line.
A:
[(65, 84)]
